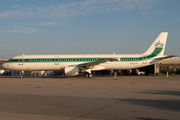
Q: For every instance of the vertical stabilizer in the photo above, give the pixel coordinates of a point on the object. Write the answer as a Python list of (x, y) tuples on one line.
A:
[(158, 46)]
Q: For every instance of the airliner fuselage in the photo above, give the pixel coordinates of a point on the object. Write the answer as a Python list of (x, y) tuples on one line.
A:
[(57, 62)]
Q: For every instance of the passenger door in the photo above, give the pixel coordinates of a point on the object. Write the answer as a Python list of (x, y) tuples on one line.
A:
[(56, 60), (20, 61)]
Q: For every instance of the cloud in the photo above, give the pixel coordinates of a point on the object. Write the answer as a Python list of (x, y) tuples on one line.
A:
[(143, 12), (17, 29), (50, 24), (17, 6), (147, 12), (66, 11), (5, 14), (46, 24)]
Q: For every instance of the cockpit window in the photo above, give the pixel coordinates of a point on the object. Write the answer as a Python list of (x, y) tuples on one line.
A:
[(10, 60)]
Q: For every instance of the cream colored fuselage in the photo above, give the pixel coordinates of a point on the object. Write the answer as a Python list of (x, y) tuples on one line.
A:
[(52, 62)]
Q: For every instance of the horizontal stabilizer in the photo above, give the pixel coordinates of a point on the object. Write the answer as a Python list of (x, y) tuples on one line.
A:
[(158, 59)]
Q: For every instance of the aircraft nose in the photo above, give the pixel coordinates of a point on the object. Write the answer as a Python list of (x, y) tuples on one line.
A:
[(5, 65)]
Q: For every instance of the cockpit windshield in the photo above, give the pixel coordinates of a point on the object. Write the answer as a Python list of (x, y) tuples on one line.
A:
[(10, 60)]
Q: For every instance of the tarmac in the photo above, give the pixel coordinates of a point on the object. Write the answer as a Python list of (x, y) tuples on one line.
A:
[(80, 98)]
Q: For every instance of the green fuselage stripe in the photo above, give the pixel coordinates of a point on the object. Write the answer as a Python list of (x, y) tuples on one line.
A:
[(155, 53), (58, 60)]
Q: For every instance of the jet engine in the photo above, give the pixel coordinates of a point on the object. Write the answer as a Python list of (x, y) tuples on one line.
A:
[(71, 71)]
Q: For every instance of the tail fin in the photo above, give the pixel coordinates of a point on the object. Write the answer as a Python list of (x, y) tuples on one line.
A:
[(158, 46)]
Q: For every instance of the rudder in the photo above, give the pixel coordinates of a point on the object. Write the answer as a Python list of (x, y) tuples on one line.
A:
[(159, 43)]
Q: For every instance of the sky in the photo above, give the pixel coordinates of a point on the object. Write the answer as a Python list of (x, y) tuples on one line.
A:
[(87, 26)]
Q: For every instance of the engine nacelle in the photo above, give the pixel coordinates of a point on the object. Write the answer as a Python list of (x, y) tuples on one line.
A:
[(71, 71)]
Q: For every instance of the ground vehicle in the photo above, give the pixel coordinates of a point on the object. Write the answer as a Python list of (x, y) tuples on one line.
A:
[(140, 72)]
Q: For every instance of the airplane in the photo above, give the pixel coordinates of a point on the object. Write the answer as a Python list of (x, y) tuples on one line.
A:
[(72, 65)]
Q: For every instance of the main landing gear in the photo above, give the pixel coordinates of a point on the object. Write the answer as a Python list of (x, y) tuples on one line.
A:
[(89, 75), (22, 74)]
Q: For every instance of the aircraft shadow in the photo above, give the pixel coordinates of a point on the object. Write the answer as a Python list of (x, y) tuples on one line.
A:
[(175, 93), (149, 118), (172, 105)]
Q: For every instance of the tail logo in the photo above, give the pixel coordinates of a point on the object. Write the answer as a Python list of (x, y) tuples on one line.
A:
[(159, 44)]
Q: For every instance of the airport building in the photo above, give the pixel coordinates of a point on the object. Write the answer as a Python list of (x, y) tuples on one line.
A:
[(1, 62), (155, 69), (1, 68), (172, 63)]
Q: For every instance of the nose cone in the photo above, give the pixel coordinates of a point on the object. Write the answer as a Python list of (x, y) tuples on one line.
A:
[(5, 65)]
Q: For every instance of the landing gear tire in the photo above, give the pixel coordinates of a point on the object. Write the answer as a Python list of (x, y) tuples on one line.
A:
[(87, 75), (22, 74), (90, 75)]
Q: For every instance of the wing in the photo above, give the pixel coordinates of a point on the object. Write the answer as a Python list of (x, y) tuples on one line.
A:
[(89, 64), (161, 58)]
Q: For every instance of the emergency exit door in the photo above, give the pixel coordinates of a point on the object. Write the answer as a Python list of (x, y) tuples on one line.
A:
[(145, 60)]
